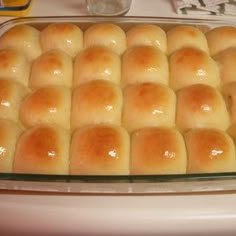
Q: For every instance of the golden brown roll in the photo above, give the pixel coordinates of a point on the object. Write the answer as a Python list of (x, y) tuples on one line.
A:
[(106, 34), (227, 63), (67, 37), (148, 105), (14, 66), (9, 134), (23, 37), (52, 68), (96, 102), (157, 151), (147, 34), (186, 36), (11, 95), (229, 93), (221, 38), (209, 151), (100, 150), (144, 64), (201, 106), (47, 105), (192, 66), (97, 63), (43, 150)]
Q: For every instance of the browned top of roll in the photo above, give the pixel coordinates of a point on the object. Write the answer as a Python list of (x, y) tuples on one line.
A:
[(221, 38), (65, 36), (40, 145), (22, 37), (100, 149), (148, 95), (97, 143), (97, 93), (44, 99), (106, 34), (157, 151), (209, 151), (44, 149), (186, 36)]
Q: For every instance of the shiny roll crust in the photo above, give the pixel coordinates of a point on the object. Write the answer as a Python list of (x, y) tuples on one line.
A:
[(221, 38), (9, 134), (47, 105), (11, 96), (24, 38), (100, 150), (186, 36), (97, 63), (201, 106), (43, 149), (52, 68), (67, 37), (147, 34), (144, 64), (106, 34), (14, 66), (192, 66), (148, 105), (158, 151), (96, 102), (210, 151)]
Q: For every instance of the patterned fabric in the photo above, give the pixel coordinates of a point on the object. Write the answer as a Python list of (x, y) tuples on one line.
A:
[(205, 7)]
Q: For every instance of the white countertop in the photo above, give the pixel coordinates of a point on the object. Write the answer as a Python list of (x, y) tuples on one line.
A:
[(22, 214)]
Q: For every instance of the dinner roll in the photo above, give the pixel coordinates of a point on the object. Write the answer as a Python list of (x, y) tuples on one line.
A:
[(192, 66), (229, 93), (221, 38), (201, 106), (11, 95), (47, 105), (106, 34), (186, 36), (67, 37), (96, 63), (147, 34), (52, 68), (227, 63), (147, 105), (100, 150), (9, 134), (23, 37), (14, 66), (43, 149), (144, 64), (157, 151), (96, 102), (210, 151)]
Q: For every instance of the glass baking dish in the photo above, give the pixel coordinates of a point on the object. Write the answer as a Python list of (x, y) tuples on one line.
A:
[(132, 184)]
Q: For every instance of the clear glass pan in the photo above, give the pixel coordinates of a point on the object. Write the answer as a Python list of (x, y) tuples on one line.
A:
[(148, 184)]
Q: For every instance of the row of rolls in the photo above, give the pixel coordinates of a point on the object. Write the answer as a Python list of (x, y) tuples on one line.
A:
[(110, 150), (62, 55), (72, 38), (135, 107), (109, 102)]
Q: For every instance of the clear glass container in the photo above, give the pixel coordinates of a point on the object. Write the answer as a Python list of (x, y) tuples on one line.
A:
[(143, 184), (108, 7)]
